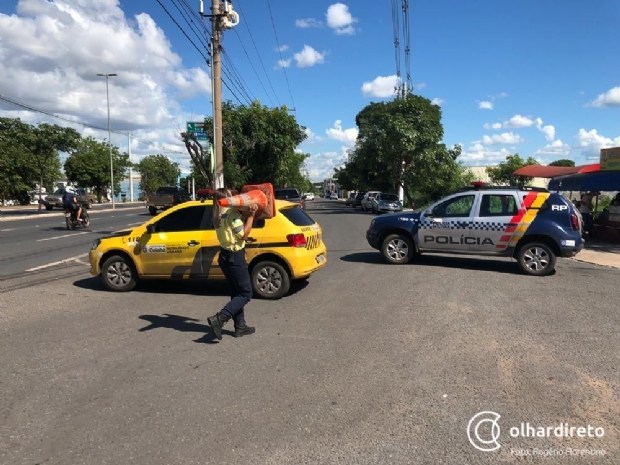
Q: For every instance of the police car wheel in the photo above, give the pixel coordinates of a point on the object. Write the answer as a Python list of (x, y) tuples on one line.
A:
[(270, 280), (397, 249), (118, 274), (536, 259)]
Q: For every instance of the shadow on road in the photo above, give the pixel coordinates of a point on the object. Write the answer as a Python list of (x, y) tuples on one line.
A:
[(177, 287), (183, 324), (440, 261)]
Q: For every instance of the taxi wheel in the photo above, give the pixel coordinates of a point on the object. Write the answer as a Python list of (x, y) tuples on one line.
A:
[(536, 259), (270, 280), (397, 249), (118, 274)]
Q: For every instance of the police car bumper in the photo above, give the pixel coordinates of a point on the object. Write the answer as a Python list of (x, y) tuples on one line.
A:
[(571, 251), (372, 237)]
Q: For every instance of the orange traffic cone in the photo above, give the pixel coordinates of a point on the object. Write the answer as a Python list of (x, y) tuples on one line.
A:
[(255, 197), (269, 211)]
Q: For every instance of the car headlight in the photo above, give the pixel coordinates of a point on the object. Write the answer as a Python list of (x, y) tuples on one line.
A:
[(96, 244), (372, 223)]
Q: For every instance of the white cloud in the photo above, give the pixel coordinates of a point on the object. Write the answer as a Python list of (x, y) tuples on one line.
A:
[(321, 165), (506, 138), (611, 98), (340, 19), (485, 105), (519, 121), (312, 138), (308, 57), (307, 23), (492, 126), (556, 148), (479, 154), (419, 86), (52, 52), (500, 95), (382, 86), (347, 136), (437, 101), (282, 48), (284, 63), (591, 142), (548, 131)]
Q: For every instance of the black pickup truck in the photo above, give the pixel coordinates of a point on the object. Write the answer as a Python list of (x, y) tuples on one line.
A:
[(290, 194), (166, 197)]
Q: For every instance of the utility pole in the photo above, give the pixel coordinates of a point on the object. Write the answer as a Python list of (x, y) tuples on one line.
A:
[(221, 19), (130, 167), (107, 88)]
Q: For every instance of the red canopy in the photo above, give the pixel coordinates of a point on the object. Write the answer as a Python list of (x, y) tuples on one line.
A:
[(540, 171)]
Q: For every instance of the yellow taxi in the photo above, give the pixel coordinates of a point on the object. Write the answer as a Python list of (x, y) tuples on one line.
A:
[(181, 243)]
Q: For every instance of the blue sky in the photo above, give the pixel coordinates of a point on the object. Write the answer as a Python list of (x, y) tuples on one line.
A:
[(525, 77)]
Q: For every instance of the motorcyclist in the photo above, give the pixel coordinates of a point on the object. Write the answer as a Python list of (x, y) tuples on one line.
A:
[(70, 202)]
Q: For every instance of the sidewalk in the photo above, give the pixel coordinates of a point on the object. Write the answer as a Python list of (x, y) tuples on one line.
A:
[(600, 253)]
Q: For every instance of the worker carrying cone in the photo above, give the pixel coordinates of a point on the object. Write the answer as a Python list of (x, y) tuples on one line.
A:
[(259, 194)]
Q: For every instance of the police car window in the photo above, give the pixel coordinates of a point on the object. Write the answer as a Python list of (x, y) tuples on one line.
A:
[(457, 206), (498, 205), (187, 219)]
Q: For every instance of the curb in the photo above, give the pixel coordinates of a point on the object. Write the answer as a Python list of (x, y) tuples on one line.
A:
[(581, 260), (52, 215)]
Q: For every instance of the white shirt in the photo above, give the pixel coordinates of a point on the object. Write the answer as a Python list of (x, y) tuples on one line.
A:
[(585, 201)]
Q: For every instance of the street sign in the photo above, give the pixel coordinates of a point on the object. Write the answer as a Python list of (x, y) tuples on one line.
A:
[(198, 129)]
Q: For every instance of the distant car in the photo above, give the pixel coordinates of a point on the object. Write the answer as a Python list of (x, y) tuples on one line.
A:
[(308, 196), (385, 202), (290, 194), (350, 199), (357, 202), (333, 196), (366, 203)]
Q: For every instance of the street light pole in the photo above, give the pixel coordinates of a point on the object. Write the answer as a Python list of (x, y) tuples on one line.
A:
[(107, 89)]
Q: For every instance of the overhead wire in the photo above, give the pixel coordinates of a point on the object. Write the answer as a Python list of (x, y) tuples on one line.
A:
[(273, 24)]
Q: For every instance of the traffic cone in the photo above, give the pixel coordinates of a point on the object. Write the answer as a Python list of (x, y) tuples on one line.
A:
[(269, 211), (243, 201)]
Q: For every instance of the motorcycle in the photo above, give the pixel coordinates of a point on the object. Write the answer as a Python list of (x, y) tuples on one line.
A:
[(73, 223)]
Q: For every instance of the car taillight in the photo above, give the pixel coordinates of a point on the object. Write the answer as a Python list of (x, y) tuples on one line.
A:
[(296, 240), (173, 199), (574, 221)]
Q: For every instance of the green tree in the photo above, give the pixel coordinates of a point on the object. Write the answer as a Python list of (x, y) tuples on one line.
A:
[(563, 162), (40, 144), (18, 172), (156, 171), (259, 144), (503, 173), (89, 166), (398, 145)]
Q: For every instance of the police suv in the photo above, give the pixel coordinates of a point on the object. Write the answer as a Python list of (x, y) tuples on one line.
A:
[(532, 225)]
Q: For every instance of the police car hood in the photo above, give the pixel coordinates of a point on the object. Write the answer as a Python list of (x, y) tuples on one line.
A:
[(398, 217)]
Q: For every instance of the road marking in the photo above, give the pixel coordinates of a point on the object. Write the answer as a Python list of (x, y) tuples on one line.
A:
[(133, 224), (6, 230), (81, 262), (60, 237), (60, 262)]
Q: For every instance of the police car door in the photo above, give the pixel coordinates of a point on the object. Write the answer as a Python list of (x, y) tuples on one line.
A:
[(492, 218), (446, 226)]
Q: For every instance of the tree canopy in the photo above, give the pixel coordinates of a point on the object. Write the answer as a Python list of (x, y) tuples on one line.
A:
[(503, 173), (156, 171), (563, 162), (89, 166), (399, 145), (259, 145), (35, 149)]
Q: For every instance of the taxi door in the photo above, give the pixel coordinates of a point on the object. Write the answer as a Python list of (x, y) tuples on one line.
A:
[(174, 249), (491, 222), (447, 225)]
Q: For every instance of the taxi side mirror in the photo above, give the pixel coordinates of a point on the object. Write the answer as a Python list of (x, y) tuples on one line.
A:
[(151, 228)]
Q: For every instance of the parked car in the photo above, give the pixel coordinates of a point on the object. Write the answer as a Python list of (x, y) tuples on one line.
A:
[(366, 203), (350, 199), (358, 199), (531, 225), (384, 202), (308, 196), (290, 194), (166, 197), (54, 200), (181, 244), (333, 196)]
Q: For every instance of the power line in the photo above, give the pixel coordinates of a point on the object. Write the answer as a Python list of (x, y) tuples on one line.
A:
[(273, 24)]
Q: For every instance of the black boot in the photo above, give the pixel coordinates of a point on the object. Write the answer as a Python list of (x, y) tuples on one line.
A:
[(243, 330), (217, 322)]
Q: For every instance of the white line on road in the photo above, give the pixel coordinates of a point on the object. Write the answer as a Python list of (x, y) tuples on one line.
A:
[(60, 237), (60, 262), (133, 224), (6, 230)]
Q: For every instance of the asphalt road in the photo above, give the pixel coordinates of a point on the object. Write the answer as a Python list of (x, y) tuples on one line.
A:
[(366, 363)]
